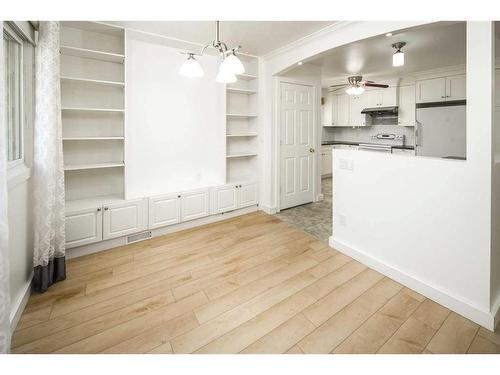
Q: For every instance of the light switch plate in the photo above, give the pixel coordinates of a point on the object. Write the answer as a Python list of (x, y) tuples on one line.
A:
[(347, 164)]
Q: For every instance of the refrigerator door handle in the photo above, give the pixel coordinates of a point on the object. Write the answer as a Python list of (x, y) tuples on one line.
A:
[(416, 133)]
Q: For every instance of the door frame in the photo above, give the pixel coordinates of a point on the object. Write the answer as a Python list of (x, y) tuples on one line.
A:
[(277, 138)]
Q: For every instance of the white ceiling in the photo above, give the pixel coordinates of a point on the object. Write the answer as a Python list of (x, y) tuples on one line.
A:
[(255, 37), (428, 47)]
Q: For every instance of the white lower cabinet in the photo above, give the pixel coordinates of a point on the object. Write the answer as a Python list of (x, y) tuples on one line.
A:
[(195, 205), (225, 198), (83, 227), (234, 196), (164, 210), (248, 195), (121, 219)]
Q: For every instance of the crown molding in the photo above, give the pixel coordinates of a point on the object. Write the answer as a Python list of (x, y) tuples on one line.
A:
[(307, 39)]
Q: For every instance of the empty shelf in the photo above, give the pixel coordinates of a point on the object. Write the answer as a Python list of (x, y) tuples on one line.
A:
[(235, 90), (242, 135), (239, 115), (92, 138), (92, 81), (96, 27), (93, 202), (92, 109), (78, 167), (92, 54), (241, 155), (246, 77)]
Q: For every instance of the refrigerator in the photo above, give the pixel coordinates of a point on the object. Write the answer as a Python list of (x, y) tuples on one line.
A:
[(440, 130)]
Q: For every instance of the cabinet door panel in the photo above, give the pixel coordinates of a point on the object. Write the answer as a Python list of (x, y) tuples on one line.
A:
[(164, 210), (373, 98), (225, 198), (388, 97), (121, 219), (83, 227), (358, 103), (329, 110), (195, 205), (431, 90), (248, 195), (455, 87), (343, 110), (406, 110)]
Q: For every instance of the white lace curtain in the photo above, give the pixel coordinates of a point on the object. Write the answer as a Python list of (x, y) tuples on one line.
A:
[(48, 178), (4, 227)]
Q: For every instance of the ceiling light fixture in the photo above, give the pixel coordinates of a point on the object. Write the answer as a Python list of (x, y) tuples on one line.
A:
[(388, 34), (355, 86), (300, 63), (230, 65), (398, 59)]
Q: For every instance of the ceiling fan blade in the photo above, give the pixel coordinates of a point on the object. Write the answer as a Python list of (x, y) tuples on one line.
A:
[(375, 85), (337, 87)]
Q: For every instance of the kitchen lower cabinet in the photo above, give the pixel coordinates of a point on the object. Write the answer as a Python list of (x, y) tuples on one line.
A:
[(326, 160), (234, 196), (195, 204), (83, 227), (164, 210), (121, 219)]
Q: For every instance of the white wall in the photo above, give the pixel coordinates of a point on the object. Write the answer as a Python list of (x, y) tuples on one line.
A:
[(424, 221), (309, 74), (175, 126)]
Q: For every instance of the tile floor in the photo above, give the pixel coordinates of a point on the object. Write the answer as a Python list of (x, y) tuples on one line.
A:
[(313, 218)]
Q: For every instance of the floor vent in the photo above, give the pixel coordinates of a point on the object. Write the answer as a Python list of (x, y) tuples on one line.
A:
[(139, 237)]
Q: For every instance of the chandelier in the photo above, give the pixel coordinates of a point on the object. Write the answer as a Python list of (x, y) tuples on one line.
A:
[(230, 65)]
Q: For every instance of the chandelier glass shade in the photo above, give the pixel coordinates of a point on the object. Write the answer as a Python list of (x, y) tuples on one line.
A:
[(230, 64)]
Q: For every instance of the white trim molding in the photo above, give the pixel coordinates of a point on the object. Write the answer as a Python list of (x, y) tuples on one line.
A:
[(18, 306), (452, 302)]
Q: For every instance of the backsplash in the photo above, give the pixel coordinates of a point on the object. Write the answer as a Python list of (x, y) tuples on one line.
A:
[(363, 134)]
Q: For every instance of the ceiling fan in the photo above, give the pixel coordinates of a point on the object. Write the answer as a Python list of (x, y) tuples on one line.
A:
[(356, 85)]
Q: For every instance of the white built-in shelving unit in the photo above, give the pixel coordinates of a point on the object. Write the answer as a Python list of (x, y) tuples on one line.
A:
[(93, 112), (242, 124)]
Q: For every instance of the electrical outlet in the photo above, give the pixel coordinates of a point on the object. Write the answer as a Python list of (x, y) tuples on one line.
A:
[(347, 164), (343, 220)]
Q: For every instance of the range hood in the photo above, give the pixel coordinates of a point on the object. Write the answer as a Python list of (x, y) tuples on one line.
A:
[(381, 111)]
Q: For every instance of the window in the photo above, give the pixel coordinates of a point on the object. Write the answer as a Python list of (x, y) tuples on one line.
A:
[(13, 81)]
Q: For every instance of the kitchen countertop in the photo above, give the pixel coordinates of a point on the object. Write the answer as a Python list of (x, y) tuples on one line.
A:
[(349, 143)]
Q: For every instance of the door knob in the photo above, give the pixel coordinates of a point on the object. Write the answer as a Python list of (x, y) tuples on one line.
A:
[(311, 150)]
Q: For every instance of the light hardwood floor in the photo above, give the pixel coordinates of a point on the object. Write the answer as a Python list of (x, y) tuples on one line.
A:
[(251, 284)]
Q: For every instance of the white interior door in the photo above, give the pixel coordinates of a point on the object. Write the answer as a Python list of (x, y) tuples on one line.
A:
[(296, 139)]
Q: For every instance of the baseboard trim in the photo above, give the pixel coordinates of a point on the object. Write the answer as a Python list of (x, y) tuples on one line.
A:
[(496, 311), (481, 317), (18, 306), (122, 241), (320, 197)]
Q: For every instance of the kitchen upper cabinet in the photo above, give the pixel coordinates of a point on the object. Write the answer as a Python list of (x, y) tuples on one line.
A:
[(441, 89), (195, 204), (358, 103), (456, 87), (329, 108), (341, 110), (431, 90), (248, 195), (381, 97), (389, 97), (164, 210), (406, 110), (83, 227), (121, 219)]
